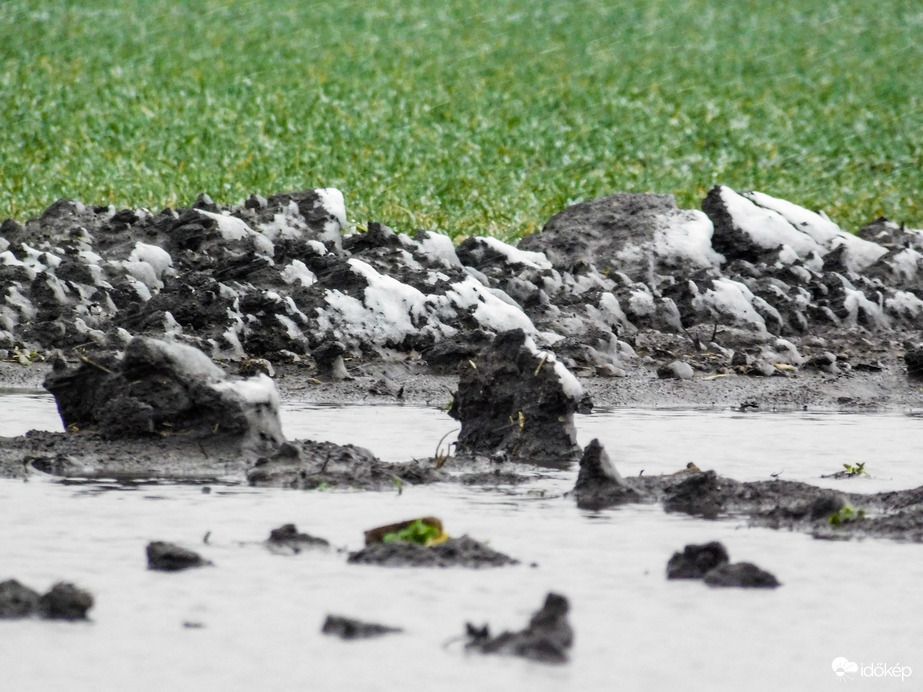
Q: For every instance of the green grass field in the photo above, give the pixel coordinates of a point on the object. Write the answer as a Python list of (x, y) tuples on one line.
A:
[(466, 116)]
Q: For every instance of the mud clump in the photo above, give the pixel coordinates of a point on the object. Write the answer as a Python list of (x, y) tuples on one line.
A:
[(599, 484), (776, 504), (516, 403), (547, 638), (308, 465), (696, 561), (348, 628), (455, 552), (161, 388), (287, 539), (167, 557), (741, 574), (710, 562), (17, 600), (63, 601)]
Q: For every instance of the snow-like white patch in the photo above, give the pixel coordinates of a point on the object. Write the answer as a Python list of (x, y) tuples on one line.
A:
[(232, 228), (388, 312), (860, 253), (907, 263), (855, 301), (610, 304), (256, 391), (687, 240), (144, 293), (93, 262), (9, 259), (641, 302), (291, 328), (439, 249), (292, 309), (35, 261), (408, 261), (515, 256), (318, 247), (187, 359), (157, 257), (822, 230), (289, 223), (297, 270), (98, 337), (16, 299), (171, 327), (730, 299), (59, 288), (569, 383), (905, 303), (332, 201), (765, 227), (393, 304), (4, 244), (489, 310), (145, 273)]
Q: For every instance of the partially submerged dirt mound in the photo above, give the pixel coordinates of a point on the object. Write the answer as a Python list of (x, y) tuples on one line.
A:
[(547, 638), (161, 388), (777, 504), (454, 552), (517, 403)]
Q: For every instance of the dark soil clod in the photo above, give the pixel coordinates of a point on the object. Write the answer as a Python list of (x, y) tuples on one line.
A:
[(547, 638), (65, 602), (741, 574), (348, 628), (17, 600), (696, 561), (455, 552), (287, 539), (599, 484), (167, 557)]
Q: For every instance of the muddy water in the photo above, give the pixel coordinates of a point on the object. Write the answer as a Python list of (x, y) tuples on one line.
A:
[(255, 617)]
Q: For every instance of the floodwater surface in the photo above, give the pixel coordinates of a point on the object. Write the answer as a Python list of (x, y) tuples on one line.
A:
[(252, 621)]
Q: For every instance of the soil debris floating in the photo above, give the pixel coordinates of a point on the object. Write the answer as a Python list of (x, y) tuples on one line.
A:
[(168, 557), (63, 601), (17, 600), (453, 552), (349, 628), (287, 539), (548, 637), (599, 484), (697, 560)]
